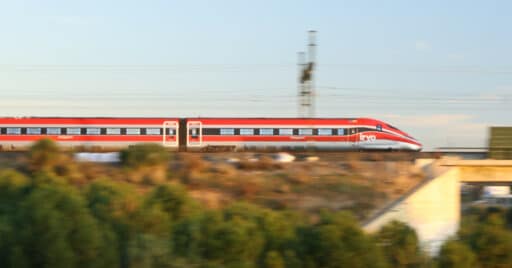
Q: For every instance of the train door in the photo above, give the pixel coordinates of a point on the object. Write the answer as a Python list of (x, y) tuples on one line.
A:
[(170, 136), (353, 137), (195, 134), (311, 141)]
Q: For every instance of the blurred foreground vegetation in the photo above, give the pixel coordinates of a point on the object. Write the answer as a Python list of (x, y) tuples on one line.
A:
[(53, 215)]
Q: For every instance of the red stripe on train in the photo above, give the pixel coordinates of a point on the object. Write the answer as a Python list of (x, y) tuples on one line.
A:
[(85, 121), (111, 138), (282, 121), (350, 138)]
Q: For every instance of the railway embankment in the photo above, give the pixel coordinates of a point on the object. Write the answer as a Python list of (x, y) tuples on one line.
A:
[(357, 182)]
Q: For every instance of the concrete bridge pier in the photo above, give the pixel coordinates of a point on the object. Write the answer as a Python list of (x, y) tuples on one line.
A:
[(433, 207)]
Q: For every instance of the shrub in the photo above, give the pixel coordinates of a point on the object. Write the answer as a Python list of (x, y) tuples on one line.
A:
[(335, 241), (456, 254), (144, 154), (274, 260), (44, 155), (400, 244), (193, 163)]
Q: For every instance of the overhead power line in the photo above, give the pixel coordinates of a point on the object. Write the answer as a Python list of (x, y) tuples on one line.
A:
[(265, 67)]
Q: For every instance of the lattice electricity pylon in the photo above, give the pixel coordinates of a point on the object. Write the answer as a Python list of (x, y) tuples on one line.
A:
[(306, 89)]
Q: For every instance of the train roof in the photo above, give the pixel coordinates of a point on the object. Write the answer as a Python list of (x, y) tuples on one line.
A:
[(85, 117), (184, 117)]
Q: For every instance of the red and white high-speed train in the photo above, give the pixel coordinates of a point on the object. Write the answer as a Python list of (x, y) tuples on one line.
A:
[(208, 134)]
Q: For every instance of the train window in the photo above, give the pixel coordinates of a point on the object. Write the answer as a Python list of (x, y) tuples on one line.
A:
[(267, 131), (53, 131), (379, 127), (13, 131), (73, 131), (153, 131), (171, 131), (286, 131), (194, 132), (93, 131), (246, 131), (341, 131), (325, 131), (133, 131), (34, 131), (306, 131), (227, 131), (113, 131)]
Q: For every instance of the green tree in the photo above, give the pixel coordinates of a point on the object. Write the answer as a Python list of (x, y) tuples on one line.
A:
[(188, 235), (490, 241), (234, 241), (291, 259), (277, 229), (337, 241), (116, 206), (7, 240), (273, 259), (173, 199), (152, 220), (146, 250), (456, 254), (55, 229), (400, 245), (13, 187), (219, 238)]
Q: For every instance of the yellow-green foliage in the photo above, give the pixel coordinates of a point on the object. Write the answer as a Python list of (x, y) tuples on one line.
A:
[(144, 154), (401, 245), (44, 155), (147, 163), (456, 254), (49, 220)]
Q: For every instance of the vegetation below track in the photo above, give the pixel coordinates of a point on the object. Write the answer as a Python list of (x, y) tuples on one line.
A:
[(157, 210), (357, 182)]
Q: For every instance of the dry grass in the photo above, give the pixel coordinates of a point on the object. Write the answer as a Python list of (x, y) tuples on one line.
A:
[(355, 182), (359, 184), (223, 169), (263, 163)]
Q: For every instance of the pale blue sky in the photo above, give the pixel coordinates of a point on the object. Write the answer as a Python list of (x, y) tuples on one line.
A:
[(440, 70)]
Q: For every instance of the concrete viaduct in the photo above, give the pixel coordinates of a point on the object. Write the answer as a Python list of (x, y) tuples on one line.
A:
[(433, 207)]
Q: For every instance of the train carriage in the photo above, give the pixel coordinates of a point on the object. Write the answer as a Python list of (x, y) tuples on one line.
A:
[(88, 133), (208, 134), (214, 134)]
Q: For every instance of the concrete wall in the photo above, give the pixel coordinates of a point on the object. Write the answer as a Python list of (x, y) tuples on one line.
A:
[(433, 207), (433, 210), (484, 175)]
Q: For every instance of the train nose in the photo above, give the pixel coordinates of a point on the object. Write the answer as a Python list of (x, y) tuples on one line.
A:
[(415, 147)]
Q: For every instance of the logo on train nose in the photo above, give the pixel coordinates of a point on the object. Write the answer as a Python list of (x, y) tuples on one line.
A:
[(370, 138)]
